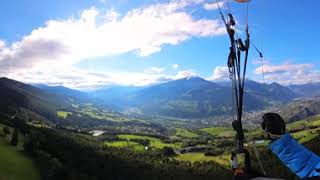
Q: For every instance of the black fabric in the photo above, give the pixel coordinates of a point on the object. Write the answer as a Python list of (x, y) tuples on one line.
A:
[(236, 177), (273, 123), (231, 58), (231, 20), (241, 45)]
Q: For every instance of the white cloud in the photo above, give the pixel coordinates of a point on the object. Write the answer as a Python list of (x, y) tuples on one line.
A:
[(213, 5), (185, 74), (80, 79), (155, 70), (87, 80), (2, 44), (60, 44), (175, 66), (289, 73), (258, 61), (282, 68), (112, 15), (220, 73)]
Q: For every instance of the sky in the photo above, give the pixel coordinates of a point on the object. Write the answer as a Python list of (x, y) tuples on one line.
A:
[(89, 44)]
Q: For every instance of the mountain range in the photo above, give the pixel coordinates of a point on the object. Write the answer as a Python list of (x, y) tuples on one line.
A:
[(187, 98), (306, 90), (61, 90), (192, 97)]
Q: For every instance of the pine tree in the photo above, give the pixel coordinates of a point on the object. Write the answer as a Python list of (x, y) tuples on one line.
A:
[(15, 137)]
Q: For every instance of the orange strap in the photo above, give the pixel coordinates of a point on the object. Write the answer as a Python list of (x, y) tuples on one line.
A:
[(239, 172)]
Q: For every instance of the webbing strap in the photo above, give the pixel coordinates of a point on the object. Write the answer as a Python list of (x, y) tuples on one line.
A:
[(258, 158)]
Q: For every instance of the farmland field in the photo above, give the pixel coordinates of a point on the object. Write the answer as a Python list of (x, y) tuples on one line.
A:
[(63, 114), (306, 129), (154, 142), (182, 132), (306, 135), (123, 144), (314, 121), (193, 157), (219, 131)]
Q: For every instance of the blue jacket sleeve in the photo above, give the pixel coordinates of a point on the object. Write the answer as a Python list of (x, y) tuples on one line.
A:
[(295, 156)]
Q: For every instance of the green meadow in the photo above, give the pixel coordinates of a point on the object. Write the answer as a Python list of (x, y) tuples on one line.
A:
[(63, 114), (14, 165), (182, 132), (124, 144), (219, 131), (193, 157), (154, 142)]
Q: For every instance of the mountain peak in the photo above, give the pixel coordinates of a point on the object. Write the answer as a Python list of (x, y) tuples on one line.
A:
[(275, 84), (193, 78)]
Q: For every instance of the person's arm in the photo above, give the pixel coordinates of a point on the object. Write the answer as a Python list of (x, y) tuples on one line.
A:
[(295, 156)]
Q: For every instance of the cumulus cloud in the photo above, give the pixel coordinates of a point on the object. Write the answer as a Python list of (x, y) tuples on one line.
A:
[(220, 73), (289, 73), (144, 30), (60, 44), (175, 66)]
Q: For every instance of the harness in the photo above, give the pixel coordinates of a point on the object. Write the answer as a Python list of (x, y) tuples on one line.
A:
[(237, 75)]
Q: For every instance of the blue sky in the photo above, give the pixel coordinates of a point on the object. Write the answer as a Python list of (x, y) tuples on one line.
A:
[(94, 43)]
